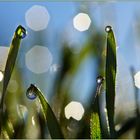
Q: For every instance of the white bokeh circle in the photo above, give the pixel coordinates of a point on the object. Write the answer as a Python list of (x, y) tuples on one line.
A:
[(3, 57), (37, 17), (81, 22), (137, 79), (1, 76), (38, 59), (75, 110)]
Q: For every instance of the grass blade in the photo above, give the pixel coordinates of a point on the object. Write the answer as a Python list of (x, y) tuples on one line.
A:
[(95, 121), (14, 47), (95, 126), (49, 116), (110, 78)]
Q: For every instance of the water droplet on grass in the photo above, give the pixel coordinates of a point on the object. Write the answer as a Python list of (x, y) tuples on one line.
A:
[(21, 32), (31, 92), (108, 29), (31, 95), (99, 80)]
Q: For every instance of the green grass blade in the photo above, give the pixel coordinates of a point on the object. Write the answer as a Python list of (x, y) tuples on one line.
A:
[(95, 126), (95, 121), (110, 78), (14, 47), (52, 122)]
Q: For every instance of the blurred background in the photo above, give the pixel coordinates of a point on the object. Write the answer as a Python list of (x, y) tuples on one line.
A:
[(63, 53)]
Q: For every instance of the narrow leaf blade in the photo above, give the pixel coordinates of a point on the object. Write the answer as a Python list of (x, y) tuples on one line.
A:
[(52, 122), (95, 121), (14, 47), (110, 78), (95, 126)]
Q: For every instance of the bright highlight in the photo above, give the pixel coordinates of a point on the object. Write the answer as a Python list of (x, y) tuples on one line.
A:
[(74, 110), (81, 22)]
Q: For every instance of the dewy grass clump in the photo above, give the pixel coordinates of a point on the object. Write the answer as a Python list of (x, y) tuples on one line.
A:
[(100, 125)]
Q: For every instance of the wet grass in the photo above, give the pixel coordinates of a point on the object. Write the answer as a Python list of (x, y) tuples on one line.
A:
[(92, 122)]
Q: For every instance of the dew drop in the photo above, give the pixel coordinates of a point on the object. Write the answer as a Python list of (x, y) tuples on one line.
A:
[(108, 28), (31, 95), (21, 32), (99, 80), (31, 92)]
